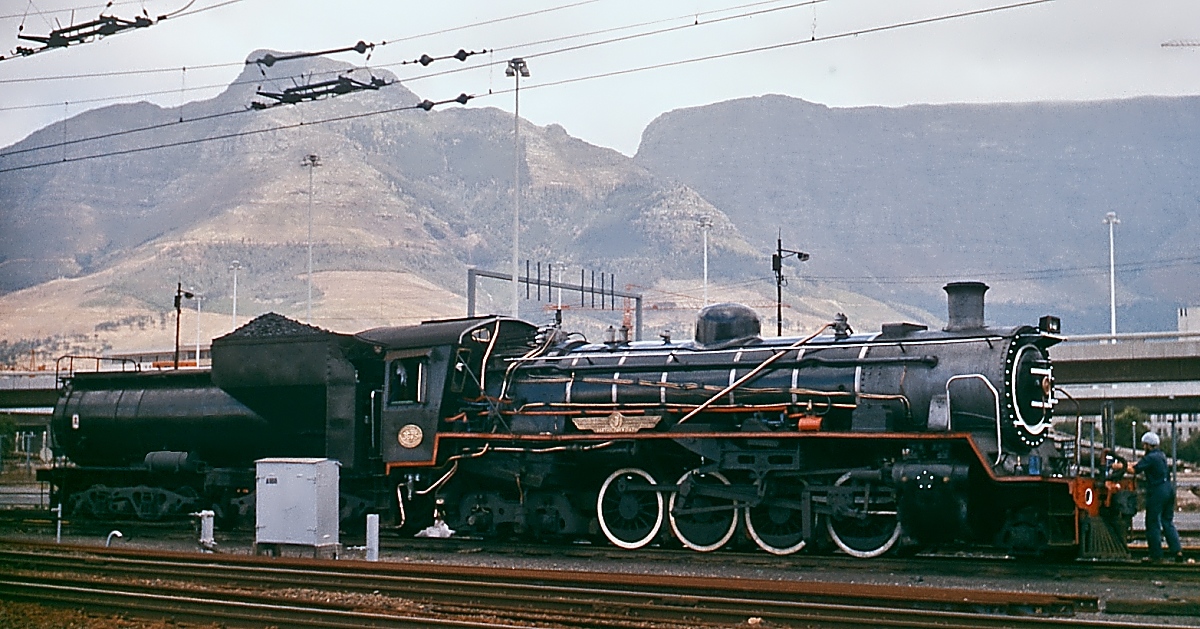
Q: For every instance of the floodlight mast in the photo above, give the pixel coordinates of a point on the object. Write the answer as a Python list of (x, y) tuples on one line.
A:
[(516, 69)]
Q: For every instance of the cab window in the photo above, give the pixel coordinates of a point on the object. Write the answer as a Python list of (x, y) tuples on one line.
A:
[(406, 380)]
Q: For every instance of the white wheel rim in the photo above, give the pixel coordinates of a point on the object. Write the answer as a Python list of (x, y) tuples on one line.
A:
[(600, 509), (774, 550), (682, 538), (854, 552)]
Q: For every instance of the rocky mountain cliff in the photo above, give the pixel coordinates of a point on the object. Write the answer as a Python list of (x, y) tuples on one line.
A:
[(892, 203), (403, 202), (895, 202)]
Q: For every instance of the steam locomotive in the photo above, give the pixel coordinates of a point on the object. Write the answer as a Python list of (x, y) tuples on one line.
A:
[(489, 426)]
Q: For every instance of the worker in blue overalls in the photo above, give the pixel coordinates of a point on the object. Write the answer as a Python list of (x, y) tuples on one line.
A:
[(1160, 500)]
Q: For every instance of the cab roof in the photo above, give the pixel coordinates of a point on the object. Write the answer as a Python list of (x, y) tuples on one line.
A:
[(441, 332)]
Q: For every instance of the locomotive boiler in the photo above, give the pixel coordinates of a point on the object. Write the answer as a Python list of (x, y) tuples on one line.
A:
[(903, 438)]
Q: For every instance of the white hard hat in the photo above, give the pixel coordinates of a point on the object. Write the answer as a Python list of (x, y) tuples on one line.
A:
[(1150, 439)]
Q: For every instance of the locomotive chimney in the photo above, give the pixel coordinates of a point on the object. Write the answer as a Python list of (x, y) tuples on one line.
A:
[(965, 302)]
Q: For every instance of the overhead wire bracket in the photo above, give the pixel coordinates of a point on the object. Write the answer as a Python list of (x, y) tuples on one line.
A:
[(461, 99), (100, 27), (269, 59), (313, 91), (461, 55)]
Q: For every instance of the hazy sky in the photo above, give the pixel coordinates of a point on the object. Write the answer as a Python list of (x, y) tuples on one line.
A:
[(1057, 50)]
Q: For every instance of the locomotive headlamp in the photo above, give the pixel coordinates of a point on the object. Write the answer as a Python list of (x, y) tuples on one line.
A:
[(1050, 324)]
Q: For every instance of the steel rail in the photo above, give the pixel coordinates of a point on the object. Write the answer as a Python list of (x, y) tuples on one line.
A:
[(924, 565), (646, 599), (206, 608), (475, 583)]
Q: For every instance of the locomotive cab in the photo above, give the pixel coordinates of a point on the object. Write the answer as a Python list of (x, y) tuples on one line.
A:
[(435, 373)]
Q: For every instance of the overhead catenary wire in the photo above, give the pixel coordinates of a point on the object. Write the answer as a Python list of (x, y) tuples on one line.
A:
[(779, 46), (98, 5), (99, 28), (425, 105), (62, 77), (998, 277), (1013, 276), (184, 12), (402, 63), (423, 61), (601, 75), (113, 134), (362, 47), (485, 65)]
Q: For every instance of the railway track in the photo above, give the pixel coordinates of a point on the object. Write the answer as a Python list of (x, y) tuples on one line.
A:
[(965, 564), (241, 589), (960, 564)]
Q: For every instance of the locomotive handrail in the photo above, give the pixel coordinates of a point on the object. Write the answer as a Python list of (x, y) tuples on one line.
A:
[(928, 360), (995, 396), (512, 365), (752, 373), (682, 351), (61, 374)]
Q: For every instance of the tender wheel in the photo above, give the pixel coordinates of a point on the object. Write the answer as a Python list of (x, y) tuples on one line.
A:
[(869, 525), (630, 513), (777, 523), (701, 522)]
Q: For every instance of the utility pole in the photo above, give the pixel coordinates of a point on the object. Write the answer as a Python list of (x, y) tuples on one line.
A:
[(706, 226), (311, 162), (517, 68), (180, 295), (780, 280), (197, 299), (234, 266)]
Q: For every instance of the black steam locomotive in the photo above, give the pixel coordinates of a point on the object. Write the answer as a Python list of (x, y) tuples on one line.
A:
[(490, 426)]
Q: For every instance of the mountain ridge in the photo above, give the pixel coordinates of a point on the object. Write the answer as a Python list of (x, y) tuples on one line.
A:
[(891, 202), (958, 190)]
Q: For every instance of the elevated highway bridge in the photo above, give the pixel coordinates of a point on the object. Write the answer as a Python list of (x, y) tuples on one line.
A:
[(1158, 372)]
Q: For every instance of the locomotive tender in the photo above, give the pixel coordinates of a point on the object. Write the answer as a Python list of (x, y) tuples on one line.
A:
[(905, 438)]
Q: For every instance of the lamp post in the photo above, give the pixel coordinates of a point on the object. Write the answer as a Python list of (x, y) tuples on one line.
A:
[(777, 266), (180, 295), (705, 226), (517, 68), (310, 162), (1111, 219), (234, 266), (198, 298)]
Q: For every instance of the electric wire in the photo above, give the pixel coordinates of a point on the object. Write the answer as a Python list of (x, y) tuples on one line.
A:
[(779, 46), (490, 22), (322, 74), (426, 105), (695, 16), (1052, 273), (113, 134), (184, 12), (243, 63), (1013, 276), (625, 71), (664, 30), (391, 65), (40, 12), (103, 25)]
